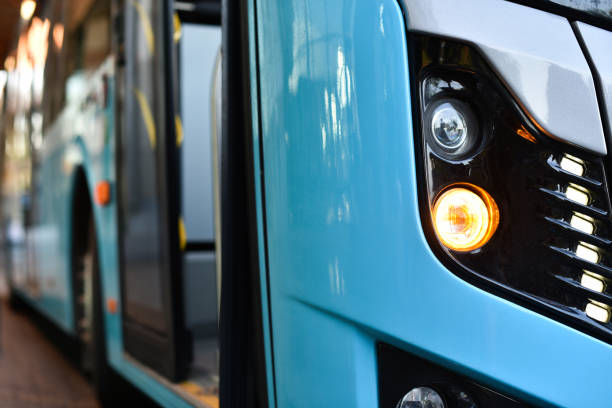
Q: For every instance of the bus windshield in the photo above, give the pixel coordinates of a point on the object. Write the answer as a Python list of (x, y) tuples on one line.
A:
[(593, 8)]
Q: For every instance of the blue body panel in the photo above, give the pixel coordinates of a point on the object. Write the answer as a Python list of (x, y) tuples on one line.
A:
[(102, 167), (259, 210), (82, 138), (348, 261)]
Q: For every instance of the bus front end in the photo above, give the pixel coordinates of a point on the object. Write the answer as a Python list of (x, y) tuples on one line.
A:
[(436, 201)]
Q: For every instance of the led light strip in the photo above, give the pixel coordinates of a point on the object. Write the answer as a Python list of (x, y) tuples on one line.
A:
[(592, 282), (597, 311), (579, 222), (572, 165), (587, 253), (576, 195)]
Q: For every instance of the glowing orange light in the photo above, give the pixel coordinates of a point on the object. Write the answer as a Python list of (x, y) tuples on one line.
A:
[(525, 134), (9, 63), (58, 35), (37, 41), (465, 217), (22, 60), (102, 193), (111, 305), (27, 9)]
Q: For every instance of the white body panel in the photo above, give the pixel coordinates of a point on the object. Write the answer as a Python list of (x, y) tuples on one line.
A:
[(535, 53)]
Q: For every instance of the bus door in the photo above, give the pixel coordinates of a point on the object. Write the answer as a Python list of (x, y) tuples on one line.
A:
[(150, 231), (170, 283)]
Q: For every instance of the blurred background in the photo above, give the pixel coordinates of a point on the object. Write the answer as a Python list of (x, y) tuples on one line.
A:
[(98, 160), (36, 367), (33, 372)]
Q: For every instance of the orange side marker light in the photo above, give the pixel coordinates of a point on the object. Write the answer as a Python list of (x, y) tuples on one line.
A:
[(102, 193), (111, 305), (525, 134)]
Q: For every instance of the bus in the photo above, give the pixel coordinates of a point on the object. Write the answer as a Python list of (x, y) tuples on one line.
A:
[(273, 203)]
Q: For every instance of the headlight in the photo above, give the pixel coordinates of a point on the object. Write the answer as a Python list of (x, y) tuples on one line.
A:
[(422, 397), (504, 205), (465, 217), (452, 127)]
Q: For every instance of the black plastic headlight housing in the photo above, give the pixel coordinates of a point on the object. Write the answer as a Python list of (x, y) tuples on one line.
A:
[(551, 249)]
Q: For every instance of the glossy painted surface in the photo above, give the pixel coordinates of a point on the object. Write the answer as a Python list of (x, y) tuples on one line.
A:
[(83, 137), (259, 210), (599, 42), (348, 261), (536, 54)]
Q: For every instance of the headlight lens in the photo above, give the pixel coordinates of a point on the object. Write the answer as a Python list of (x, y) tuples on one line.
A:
[(465, 217), (452, 128), (448, 126), (422, 397)]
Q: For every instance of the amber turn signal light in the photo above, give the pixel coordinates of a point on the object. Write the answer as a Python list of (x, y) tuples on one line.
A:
[(465, 217), (102, 193)]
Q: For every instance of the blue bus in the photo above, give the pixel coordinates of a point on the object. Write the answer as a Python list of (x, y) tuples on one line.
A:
[(275, 203)]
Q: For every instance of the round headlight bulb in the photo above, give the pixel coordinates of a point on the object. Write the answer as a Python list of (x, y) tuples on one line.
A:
[(449, 126), (465, 217), (422, 397)]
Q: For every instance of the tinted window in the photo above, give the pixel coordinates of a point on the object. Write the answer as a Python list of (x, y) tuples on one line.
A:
[(596, 8), (142, 241)]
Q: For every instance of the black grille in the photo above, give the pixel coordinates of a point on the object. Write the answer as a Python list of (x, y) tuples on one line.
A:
[(399, 372), (538, 256), (565, 238)]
